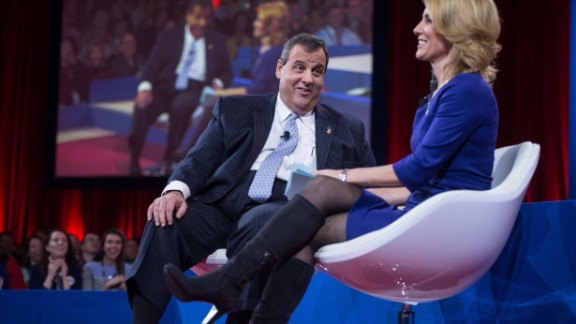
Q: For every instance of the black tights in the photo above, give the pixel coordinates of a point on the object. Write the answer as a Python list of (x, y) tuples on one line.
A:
[(334, 199), (331, 196)]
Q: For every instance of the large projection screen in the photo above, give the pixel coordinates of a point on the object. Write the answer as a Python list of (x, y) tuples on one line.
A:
[(93, 100)]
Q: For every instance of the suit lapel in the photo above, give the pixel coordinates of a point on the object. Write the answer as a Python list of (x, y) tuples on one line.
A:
[(325, 127), (179, 47)]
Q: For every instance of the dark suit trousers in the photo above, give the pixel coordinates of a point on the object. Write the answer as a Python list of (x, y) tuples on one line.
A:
[(179, 104), (203, 229)]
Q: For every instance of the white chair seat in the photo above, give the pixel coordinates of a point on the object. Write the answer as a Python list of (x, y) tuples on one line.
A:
[(443, 245)]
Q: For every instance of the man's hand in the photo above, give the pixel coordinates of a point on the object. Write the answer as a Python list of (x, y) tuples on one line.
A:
[(164, 208), (143, 99)]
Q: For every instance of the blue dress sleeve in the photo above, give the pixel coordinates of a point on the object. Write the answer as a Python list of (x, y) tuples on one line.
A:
[(441, 129)]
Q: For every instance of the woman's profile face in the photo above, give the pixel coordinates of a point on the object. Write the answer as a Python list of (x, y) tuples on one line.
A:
[(432, 47), (258, 28)]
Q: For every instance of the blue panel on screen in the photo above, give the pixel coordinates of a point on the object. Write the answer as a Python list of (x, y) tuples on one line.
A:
[(113, 89)]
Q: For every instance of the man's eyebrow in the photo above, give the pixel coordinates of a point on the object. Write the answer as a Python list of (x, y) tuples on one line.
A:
[(319, 65)]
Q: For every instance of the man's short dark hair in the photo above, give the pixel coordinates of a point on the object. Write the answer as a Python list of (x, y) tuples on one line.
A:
[(310, 44)]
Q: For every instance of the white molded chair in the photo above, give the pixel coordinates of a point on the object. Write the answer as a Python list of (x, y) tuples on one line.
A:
[(443, 245)]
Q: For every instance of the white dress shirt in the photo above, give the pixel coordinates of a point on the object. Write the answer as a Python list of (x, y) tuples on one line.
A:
[(305, 151)]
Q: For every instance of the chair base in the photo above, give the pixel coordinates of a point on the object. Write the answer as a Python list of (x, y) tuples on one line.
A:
[(406, 315)]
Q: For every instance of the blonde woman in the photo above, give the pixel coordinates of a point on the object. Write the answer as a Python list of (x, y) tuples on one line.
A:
[(272, 29)]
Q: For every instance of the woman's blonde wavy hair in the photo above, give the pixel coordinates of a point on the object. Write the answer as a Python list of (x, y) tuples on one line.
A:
[(472, 27), (278, 13)]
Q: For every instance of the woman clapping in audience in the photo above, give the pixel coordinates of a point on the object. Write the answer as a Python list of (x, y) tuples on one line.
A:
[(59, 267), (108, 270), (33, 249)]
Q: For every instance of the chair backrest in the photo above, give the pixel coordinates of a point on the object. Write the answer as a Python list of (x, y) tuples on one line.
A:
[(442, 246)]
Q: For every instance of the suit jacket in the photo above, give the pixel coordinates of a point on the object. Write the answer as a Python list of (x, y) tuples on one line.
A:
[(161, 65), (237, 133)]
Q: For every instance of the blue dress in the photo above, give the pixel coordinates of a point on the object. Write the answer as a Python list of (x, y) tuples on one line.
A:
[(263, 72), (453, 142)]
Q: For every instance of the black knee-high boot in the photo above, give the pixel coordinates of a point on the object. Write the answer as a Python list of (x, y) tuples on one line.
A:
[(283, 292), (290, 230)]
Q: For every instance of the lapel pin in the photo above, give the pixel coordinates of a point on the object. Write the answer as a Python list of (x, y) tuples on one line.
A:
[(328, 130)]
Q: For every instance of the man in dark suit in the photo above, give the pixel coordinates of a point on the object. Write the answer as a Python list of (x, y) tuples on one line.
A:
[(183, 61), (211, 188)]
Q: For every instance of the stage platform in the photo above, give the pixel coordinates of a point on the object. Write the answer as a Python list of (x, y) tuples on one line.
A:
[(533, 281)]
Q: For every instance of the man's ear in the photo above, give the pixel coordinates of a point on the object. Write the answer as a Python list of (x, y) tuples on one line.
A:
[(279, 67)]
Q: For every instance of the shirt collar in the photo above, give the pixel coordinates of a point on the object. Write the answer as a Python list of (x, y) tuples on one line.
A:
[(283, 111)]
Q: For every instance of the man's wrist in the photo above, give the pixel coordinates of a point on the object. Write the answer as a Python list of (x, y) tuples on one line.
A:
[(145, 86)]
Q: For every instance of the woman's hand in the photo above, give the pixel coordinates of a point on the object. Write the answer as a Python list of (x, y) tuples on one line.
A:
[(63, 268), (56, 267), (117, 281), (53, 267), (327, 172)]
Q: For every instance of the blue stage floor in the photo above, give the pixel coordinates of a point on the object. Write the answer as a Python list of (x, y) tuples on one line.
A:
[(533, 281)]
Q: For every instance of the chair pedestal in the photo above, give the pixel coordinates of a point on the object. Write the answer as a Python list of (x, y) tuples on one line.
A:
[(406, 315)]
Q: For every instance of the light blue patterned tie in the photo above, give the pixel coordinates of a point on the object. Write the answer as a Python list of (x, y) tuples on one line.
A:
[(261, 187), (182, 79)]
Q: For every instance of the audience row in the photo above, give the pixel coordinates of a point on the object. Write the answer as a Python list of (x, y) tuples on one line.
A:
[(59, 260)]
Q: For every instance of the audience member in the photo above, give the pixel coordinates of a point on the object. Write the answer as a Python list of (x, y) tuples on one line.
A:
[(90, 246), (209, 196), (12, 272), (71, 21), (2, 276), (453, 143), (98, 31), (73, 88), (128, 61), (299, 21), (33, 255), (95, 59), (108, 270), (119, 18), (360, 18), (131, 250), (7, 241), (334, 32), (174, 79), (240, 35), (75, 245), (59, 268), (149, 28)]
